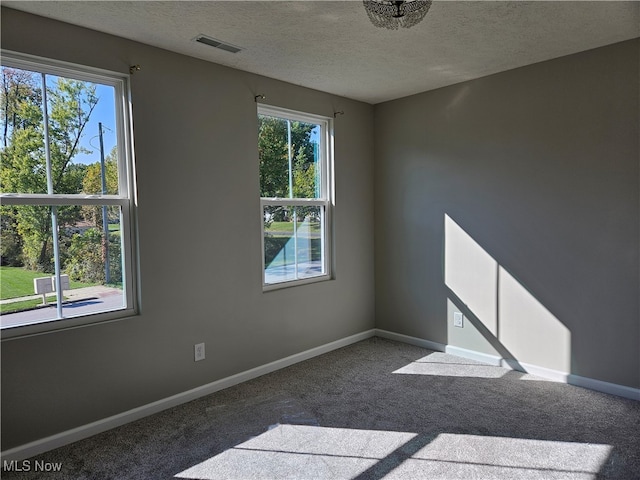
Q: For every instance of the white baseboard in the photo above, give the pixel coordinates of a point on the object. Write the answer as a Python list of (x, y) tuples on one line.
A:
[(64, 438), (418, 342), (605, 387), (473, 355), (546, 373)]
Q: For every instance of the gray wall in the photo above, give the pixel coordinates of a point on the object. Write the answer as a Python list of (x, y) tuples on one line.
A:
[(199, 224), (514, 199)]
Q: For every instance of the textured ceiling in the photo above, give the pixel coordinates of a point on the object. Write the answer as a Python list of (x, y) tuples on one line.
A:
[(331, 46)]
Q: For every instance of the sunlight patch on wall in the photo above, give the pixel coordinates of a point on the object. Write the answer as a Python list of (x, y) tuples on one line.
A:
[(517, 323), (471, 273), (531, 332)]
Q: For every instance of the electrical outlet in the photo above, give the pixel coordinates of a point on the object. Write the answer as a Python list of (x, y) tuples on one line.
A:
[(199, 351), (458, 319)]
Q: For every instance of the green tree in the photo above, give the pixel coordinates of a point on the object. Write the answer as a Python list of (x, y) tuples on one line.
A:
[(273, 154), (17, 86), (85, 261), (10, 239), (23, 159), (92, 184)]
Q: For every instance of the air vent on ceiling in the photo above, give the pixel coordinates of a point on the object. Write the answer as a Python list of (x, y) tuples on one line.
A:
[(212, 42)]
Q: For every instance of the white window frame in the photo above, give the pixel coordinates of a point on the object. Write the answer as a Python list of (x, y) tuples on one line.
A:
[(325, 201), (125, 199)]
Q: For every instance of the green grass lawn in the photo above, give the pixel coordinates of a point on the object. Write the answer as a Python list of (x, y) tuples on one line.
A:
[(27, 304), (285, 229), (288, 227), (18, 282)]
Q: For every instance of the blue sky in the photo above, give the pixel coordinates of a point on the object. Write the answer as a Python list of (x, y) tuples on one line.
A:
[(104, 112)]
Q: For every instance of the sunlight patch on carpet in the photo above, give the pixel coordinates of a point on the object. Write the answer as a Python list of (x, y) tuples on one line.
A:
[(449, 366), (475, 456), (299, 451), (311, 452)]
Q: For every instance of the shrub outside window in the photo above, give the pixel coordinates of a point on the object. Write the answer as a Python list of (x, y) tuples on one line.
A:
[(295, 197), (66, 184)]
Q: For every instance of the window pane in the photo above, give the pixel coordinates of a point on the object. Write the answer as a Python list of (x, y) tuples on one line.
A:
[(93, 166), (273, 153), (289, 153), (93, 266), (293, 243), (82, 135)]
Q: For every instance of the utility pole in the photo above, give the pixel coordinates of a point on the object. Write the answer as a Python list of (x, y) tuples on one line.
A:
[(105, 220)]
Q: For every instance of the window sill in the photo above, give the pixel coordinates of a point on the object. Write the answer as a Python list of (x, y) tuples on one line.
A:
[(269, 287), (56, 325)]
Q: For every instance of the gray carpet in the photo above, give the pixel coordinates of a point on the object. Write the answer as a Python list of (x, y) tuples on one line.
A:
[(377, 409)]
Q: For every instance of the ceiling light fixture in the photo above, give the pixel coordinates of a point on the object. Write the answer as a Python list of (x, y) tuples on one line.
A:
[(394, 14)]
